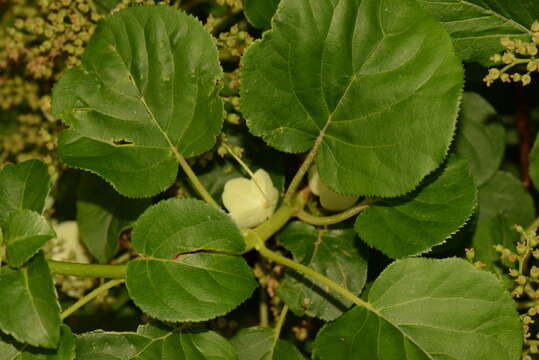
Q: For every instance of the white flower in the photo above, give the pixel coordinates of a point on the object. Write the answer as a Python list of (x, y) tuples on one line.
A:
[(329, 199), (250, 201)]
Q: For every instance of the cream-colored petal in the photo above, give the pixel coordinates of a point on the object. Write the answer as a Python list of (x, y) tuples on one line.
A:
[(330, 200), (250, 201)]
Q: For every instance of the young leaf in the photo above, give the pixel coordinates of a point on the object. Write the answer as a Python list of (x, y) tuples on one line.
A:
[(25, 232), (476, 26), (146, 92), (23, 186), (416, 222), (185, 345), (374, 83), (332, 253), (188, 270), (428, 309), (10, 350), (102, 214), (257, 343), (479, 139), (28, 304), (260, 12), (504, 194)]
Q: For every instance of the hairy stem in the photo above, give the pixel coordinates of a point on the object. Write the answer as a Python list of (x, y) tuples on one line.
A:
[(279, 218), (296, 180), (87, 270), (90, 296), (279, 325), (336, 218), (278, 258), (199, 187), (263, 307)]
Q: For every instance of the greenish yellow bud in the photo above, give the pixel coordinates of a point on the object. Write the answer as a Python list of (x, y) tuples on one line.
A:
[(534, 272), (526, 79), (508, 57), (521, 280), (535, 26), (516, 77), (531, 66), (531, 49), (518, 291), (521, 247), (470, 254), (507, 43), (513, 272)]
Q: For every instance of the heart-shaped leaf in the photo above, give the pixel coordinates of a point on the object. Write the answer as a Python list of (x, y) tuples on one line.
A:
[(28, 304), (332, 253), (23, 186), (416, 222), (25, 232), (146, 92), (258, 343), (189, 270), (427, 309), (374, 83), (480, 139), (476, 26)]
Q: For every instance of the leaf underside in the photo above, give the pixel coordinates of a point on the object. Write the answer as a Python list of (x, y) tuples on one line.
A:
[(332, 253), (476, 26)]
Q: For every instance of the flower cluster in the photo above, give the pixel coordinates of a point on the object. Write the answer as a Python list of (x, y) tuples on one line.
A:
[(517, 52), (525, 284)]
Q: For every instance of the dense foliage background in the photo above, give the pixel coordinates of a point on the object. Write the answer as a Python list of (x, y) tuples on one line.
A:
[(496, 130)]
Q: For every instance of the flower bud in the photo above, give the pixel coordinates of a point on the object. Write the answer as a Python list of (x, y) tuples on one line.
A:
[(250, 201)]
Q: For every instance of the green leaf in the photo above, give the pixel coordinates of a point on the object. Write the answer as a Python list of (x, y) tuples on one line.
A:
[(28, 304), (428, 309), (479, 139), (332, 253), (102, 214), (491, 232), (146, 91), (534, 163), (260, 12), (414, 223), (504, 194), (189, 270), (185, 345), (23, 186), (195, 344), (476, 26), (257, 343), (25, 232), (375, 83), (100, 345), (10, 350)]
